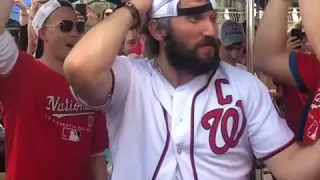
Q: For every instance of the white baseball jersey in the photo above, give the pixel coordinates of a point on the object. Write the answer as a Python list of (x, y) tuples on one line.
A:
[(207, 128)]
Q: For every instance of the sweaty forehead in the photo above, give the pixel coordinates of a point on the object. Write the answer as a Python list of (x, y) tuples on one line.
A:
[(192, 3), (63, 13)]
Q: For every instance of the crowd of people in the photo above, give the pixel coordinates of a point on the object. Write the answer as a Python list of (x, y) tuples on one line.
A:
[(161, 86)]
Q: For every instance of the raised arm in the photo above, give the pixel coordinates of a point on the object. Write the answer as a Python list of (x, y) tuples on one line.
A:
[(270, 54), (8, 49), (88, 66), (5, 10), (24, 18), (32, 38), (310, 17)]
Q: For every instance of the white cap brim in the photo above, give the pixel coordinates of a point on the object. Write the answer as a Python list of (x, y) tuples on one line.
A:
[(168, 8), (43, 13)]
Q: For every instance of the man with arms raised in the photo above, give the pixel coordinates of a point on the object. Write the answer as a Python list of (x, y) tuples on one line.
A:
[(295, 69), (49, 135), (183, 114)]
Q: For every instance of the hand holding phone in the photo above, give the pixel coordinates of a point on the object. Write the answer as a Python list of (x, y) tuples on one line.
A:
[(293, 44), (82, 9), (298, 35)]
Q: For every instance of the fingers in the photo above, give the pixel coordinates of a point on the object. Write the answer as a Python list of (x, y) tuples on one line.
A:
[(82, 20), (80, 17), (293, 43), (40, 1), (36, 4), (292, 38), (296, 46)]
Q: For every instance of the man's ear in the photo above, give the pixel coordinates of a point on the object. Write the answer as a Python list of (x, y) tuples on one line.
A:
[(156, 32), (42, 35)]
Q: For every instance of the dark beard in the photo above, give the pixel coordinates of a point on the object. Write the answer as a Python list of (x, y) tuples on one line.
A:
[(182, 58)]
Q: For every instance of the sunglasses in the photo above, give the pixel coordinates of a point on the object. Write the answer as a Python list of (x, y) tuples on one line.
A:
[(67, 26)]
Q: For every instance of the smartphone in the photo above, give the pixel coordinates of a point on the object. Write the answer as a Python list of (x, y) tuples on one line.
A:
[(82, 9), (298, 34)]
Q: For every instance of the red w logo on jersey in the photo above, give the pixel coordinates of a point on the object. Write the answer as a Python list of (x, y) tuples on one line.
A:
[(222, 117)]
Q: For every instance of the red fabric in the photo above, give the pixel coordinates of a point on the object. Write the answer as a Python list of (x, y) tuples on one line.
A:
[(294, 103), (311, 129), (137, 49), (49, 135), (309, 72)]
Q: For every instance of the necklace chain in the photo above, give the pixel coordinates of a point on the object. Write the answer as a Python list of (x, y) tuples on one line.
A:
[(158, 67)]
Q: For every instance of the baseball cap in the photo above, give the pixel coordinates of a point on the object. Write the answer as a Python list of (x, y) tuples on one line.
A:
[(169, 8), (45, 11), (231, 32), (41, 16)]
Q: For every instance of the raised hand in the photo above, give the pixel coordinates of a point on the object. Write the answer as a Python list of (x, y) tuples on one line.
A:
[(293, 44), (81, 18), (23, 7), (36, 4)]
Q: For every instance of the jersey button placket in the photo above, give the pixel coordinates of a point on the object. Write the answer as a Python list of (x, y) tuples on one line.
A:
[(179, 151)]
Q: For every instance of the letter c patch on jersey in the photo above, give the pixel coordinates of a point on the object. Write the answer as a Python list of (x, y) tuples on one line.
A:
[(221, 119)]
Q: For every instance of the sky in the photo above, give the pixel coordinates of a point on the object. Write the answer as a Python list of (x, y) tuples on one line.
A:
[(15, 14)]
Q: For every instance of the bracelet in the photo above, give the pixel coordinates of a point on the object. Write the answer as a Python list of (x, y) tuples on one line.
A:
[(24, 14)]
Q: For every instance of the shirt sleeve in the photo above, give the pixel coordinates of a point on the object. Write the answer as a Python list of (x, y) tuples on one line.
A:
[(8, 53), (268, 132), (100, 134), (123, 70), (305, 70), (121, 82)]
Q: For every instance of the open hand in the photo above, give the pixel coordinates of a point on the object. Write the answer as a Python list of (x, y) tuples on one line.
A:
[(21, 5), (36, 4)]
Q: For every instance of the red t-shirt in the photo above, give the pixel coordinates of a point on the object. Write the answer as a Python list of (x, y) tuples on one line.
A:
[(49, 135), (137, 49), (306, 71), (294, 103)]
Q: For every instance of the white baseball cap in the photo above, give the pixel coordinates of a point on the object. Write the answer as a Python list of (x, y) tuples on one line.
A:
[(168, 8), (45, 11)]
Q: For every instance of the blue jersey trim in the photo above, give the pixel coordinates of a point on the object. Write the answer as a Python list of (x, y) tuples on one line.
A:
[(304, 118), (295, 73)]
